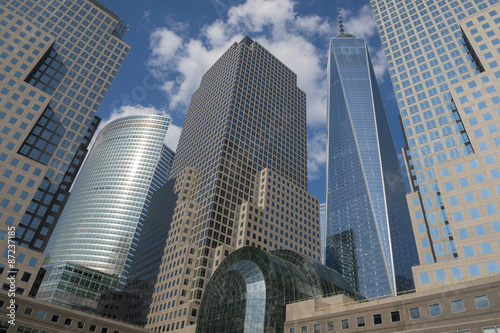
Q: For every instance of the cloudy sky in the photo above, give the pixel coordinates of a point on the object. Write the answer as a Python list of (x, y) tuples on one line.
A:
[(173, 43)]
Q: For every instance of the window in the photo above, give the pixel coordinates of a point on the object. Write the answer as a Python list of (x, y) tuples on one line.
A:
[(395, 316), (360, 321), (41, 315), (377, 319), (491, 330), (55, 318), (303, 329), (330, 327), (26, 277), (28, 311), (435, 310), (457, 306), (481, 302), (92, 328), (317, 328), (292, 330), (345, 324), (67, 321), (469, 251), (457, 273)]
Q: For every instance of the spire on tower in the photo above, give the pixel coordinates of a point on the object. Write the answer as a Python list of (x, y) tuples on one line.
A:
[(341, 26)]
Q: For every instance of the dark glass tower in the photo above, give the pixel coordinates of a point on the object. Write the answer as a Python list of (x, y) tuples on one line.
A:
[(366, 206)]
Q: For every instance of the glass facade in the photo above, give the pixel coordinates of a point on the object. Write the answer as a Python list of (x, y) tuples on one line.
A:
[(102, 220), (41, 217), (250, 290), (322, 222), (366, 209), (443, 64)]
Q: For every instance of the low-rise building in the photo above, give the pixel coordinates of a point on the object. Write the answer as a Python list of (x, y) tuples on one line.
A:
[(33, 315), (467, 306)]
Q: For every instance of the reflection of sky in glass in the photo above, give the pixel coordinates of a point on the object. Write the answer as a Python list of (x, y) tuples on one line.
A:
[(105, 211), (250, 289), (256, 296), (364, 178)]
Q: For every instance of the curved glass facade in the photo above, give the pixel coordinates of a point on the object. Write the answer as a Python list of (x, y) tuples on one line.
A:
[(249, 291), (102, 220)]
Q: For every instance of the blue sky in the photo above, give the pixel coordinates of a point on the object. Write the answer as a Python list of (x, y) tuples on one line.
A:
[(173, 43)]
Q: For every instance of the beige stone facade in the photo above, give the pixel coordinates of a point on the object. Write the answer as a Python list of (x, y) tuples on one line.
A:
[(470, 306), (32, 314), (239, 179), (446, 83), (62, 58)]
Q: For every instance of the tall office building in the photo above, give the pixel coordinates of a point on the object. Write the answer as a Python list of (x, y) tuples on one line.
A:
[(35, 229), (368, 224), (322, 223), (59, 59), (239, 179), (443, 61), (104, 216)]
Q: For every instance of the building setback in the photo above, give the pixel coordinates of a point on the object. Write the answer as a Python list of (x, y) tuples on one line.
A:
[(59, 59), (239, 178), (369, 235), (444, 67), (100, 225)]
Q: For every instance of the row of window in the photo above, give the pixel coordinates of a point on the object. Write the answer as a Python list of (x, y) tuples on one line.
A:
[(42, 315), (457, 306)]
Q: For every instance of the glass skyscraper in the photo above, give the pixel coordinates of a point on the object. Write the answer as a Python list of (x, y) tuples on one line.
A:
[(59, 58), (238, 179), (443, 61), (369, 236), (103, 218), (322, 222)]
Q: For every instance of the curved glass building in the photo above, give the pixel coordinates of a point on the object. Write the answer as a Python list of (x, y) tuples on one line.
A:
[(100, 224), (250, 289)]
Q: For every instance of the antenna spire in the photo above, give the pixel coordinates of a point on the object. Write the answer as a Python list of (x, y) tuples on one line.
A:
[(341, 26)]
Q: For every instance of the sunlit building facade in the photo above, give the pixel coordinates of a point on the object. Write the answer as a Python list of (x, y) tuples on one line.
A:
[(239, 179), (443, 61), (369, 235), (59, 58), (101, 223)]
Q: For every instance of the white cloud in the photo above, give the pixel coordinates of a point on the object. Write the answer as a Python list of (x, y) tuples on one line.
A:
[(299, 41), (173, 131), (361, 23), (173, 134), (164, 44), (316, 155)]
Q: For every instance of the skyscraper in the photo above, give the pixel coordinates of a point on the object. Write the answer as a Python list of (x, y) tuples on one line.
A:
[(444, 67), (60, 58), (368, 225), (102, 221), (239, 178), (322, 222)]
